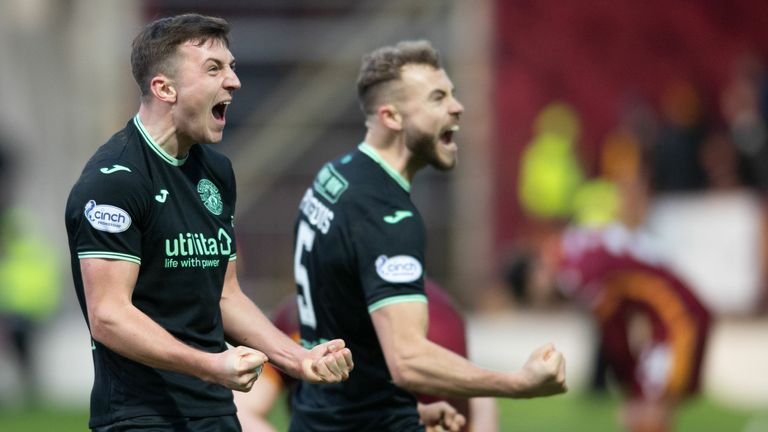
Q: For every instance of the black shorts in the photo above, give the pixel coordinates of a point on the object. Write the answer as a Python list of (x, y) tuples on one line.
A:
[(379, 423), (174, 424)]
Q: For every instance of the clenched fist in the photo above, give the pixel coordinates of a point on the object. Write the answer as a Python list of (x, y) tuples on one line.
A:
[(328, 362), (545, 372), (238, 368)]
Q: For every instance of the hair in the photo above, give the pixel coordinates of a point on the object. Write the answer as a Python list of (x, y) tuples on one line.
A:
[(155, 48), (384, 66)]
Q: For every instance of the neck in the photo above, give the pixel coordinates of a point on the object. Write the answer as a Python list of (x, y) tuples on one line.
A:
[(158, 121), (392, 149)]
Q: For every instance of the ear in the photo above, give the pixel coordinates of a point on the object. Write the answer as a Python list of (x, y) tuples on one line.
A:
[(390, 117), (163, 88)]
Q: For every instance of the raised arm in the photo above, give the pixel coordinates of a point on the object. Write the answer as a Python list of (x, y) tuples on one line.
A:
[(117, 324), (422, 366)]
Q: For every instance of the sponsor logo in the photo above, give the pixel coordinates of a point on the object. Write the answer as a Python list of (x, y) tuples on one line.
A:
[(398, 216), (161, 196), (193, 244), (115, 168), (196, 250), (210, 196), (316, 212), (398, 269), (107, 218)]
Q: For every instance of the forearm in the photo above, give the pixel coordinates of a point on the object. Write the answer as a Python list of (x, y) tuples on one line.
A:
[(129, 332), (117, 324), (425, 367), (420, 365), (245, 324)]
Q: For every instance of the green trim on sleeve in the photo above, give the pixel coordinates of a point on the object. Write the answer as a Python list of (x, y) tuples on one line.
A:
[(397, 299), (233, 257), (155, 147), (110, 255)]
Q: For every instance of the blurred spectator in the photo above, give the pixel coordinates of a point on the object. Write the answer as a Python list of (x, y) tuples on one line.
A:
[(652, 327), (623, 161), (29, 291), (721, 163), (744, 107), (550, 171), (29, 281), (741, 104), (675, 156)]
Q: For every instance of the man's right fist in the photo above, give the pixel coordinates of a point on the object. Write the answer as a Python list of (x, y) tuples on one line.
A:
[(242, 367), (545, 370)]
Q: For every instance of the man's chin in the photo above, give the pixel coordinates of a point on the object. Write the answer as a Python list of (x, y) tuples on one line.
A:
[(444, 165), (212, 138)]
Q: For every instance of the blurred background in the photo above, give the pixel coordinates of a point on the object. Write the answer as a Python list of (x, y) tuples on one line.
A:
[(568, 91)]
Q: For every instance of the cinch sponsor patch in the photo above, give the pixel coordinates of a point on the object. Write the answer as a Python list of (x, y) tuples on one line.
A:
[(107, 218), (398, 269)]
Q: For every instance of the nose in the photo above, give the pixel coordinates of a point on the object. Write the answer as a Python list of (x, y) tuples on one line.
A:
[(231, 82), (456, 108)]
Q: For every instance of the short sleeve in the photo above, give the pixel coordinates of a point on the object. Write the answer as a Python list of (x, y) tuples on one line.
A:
[(232, 199), (106, 213), (389, 244)]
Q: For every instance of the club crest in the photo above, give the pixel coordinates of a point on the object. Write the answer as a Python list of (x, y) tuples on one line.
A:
[(210, 196)]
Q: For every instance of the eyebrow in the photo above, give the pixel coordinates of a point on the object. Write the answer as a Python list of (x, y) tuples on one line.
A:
[(440, 92), (218, 62), (437, 92)]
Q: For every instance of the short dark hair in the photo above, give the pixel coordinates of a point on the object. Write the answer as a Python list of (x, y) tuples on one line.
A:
[(384, 65), (156, 46)]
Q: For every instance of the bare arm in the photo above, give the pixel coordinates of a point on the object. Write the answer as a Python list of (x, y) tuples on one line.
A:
[(245, 324), (254, 407), (484, 415), (422, 366), (117, 324)]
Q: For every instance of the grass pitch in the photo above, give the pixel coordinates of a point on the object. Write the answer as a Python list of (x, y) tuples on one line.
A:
[(570, 413)]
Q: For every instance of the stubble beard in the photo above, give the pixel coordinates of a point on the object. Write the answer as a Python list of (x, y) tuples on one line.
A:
[(424, 146)]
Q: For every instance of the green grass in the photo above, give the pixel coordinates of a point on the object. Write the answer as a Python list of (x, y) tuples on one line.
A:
[(572, 413), (597, 414), (580, 413), (43, 419)]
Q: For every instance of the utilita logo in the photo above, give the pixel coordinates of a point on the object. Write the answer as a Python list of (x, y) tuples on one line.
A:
[(192, 244), (107, 218), (398, 269)]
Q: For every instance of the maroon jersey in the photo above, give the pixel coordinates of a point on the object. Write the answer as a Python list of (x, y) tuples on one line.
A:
[(652, 326), (446, 328)]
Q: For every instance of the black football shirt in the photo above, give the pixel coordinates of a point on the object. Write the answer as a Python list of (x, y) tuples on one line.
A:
[(174, 218), (359, 246)]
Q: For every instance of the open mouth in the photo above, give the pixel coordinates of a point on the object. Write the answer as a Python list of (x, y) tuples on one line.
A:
[(220, 110), (447, 136)]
